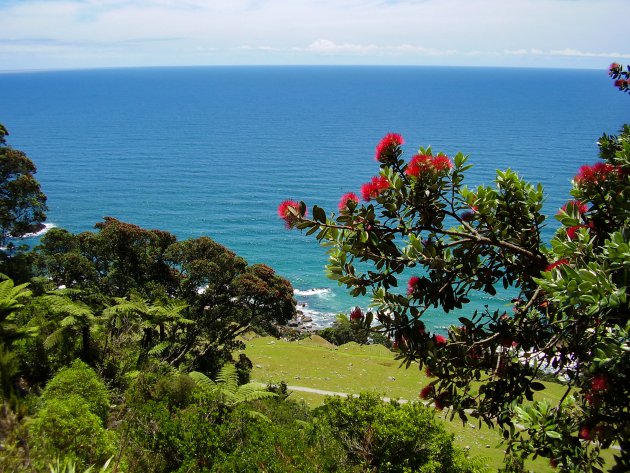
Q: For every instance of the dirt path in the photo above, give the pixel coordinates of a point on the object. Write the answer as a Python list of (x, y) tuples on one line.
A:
[(304, 389)]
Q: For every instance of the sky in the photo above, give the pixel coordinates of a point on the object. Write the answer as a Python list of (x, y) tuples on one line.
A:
[(70, 34)]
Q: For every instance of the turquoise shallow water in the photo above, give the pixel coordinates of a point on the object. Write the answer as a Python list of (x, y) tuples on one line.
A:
[(212, 151)]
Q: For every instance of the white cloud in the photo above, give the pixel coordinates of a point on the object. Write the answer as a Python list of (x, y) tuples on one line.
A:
[(576, 53)]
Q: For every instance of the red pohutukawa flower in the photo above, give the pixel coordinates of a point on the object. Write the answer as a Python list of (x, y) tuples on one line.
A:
[(599, 383), (595, 174), (581, 208), (421, 164), (441, 163), (585, 433), (388, 144), (356, 314), (411, 284), (287, 211), (372, 189), (427, 392), (441, 401), (572, 231), (555, 264), (440, 341), (349, 197)]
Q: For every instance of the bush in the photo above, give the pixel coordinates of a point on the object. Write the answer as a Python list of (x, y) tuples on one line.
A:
[(290, 441), (392, 437), (67, 427), (80, 380)]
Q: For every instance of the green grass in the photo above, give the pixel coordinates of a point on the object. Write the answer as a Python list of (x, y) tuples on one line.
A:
[(353, 368)]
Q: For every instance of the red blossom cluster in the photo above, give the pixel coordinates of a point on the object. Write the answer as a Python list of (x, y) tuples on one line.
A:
[(582, 208), (440, 341), (555, 264), (389, 143), (411, 284), (441, 401), (622, 78), (588, 433), (287, 211), (595, 174), (599, 383), (346, 198), (371, 190), (421, 164), (356, 314), (572, 231), (427, 392)]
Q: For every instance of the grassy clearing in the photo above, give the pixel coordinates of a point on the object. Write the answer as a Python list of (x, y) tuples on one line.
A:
[(353, 368)]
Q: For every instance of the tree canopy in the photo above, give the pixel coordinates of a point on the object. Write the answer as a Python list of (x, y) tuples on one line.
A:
[(22, 202)]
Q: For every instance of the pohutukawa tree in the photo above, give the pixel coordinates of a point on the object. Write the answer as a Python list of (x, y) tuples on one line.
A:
[(421, 227), (22, 203)]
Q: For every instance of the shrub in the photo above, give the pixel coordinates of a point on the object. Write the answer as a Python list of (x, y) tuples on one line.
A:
[(80, 380), (68, 427), (392, 437)]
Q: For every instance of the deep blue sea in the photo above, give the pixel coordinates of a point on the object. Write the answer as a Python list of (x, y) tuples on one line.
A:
[(212, 151)]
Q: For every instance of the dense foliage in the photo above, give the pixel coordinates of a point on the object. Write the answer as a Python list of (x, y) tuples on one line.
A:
[(22, 203), (116, 354), (421, 224), (183, 302)]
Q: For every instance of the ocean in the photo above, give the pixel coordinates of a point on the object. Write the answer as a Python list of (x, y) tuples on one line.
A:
[(213, 150)]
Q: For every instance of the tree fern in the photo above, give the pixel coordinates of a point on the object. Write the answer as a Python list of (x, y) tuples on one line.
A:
[(227, 386), (11, 297), (78, 319), (160, 348)]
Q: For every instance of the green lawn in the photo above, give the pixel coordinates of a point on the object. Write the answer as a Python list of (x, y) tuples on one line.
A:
[(353, 368)]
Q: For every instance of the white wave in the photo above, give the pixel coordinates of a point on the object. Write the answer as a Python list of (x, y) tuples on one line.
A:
[(318, 319), (47, 226), (322, 292)]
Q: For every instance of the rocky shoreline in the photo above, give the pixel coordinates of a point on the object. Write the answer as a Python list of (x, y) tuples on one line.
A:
[(302, 323)]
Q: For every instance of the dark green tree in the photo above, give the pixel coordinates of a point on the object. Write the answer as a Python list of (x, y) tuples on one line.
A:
[(139, 274), (22, 203)]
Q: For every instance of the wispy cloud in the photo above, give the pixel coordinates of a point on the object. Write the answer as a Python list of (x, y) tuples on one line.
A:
[(329, 47), (577, 53)]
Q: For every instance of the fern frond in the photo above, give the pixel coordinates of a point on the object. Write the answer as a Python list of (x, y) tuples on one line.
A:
[(228, 378), (202, 380), (69, 321), (253, 392), (11, 296), (158, 349), (63, 305), (54, 339), (258, 416)]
